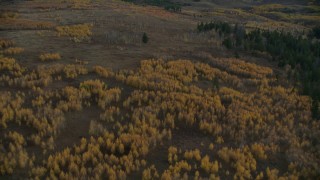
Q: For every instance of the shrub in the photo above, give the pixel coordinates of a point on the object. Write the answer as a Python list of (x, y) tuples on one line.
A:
[(104, 72), (50, 56), (77, 33), (13, 50), (72, 71), (5, 43)]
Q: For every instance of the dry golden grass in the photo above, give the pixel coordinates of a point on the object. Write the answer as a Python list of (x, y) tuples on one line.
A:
[(13, 24), (157, 12), (13, 51), (49, 56), (288, 13), (274, 25), (148, 10), (77, 33), (79, 3), (8, 14), (268, 7)]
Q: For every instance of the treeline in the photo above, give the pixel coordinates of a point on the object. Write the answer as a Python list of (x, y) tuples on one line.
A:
[(221, 27), (315, 32), (302, 54), (166, 4)]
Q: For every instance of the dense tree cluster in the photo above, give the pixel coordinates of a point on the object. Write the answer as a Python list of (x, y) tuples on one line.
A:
[(242, 68), (221, 27), (13, 75), (301, 54), (167, 4), (16, 155), (252, 123), (315, 32), (230, 113)]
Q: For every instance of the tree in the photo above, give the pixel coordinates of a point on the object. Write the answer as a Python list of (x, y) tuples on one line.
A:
[(215, 83), (227, 43), (200, 27), (172, 7), (315, 32), (145, 38), (315, 109)]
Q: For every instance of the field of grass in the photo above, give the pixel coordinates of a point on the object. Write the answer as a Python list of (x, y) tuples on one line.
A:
[(81, 94), (307, 15)]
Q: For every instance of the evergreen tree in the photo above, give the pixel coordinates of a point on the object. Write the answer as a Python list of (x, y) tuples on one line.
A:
[(227, 43), (145, 38), (315, 109), (316, 32)]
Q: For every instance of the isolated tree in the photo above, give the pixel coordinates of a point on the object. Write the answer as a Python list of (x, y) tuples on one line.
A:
[(145, 38), (215, 83)]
